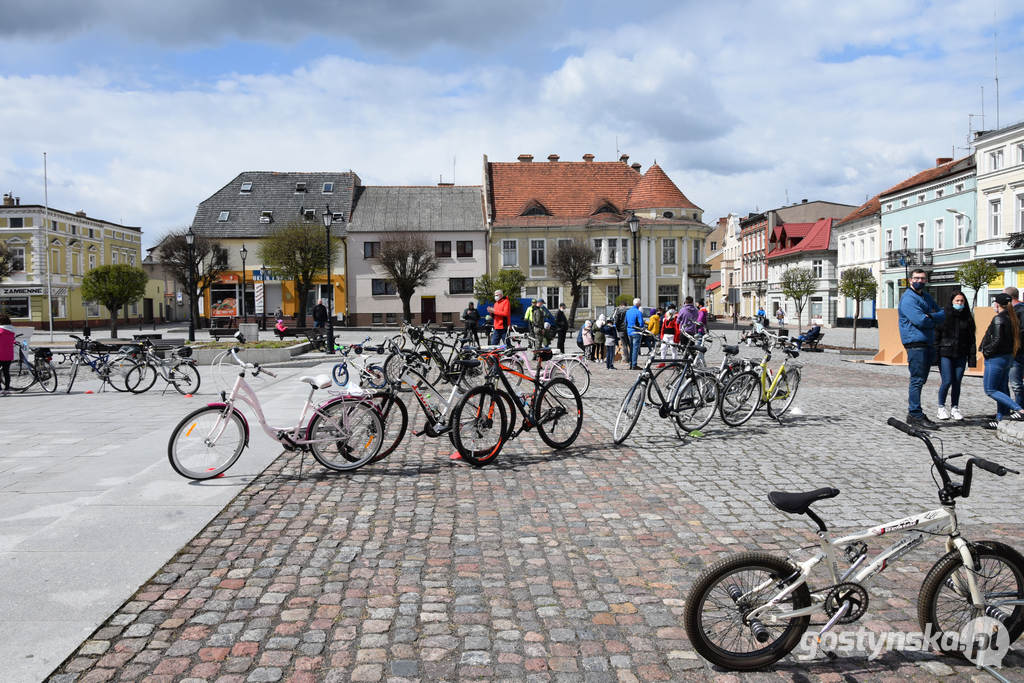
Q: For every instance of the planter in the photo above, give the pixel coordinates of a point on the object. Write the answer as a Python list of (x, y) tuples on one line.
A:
[(205, 356)]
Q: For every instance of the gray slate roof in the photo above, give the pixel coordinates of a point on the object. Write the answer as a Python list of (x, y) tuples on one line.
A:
[(418, 209), (274, 191)]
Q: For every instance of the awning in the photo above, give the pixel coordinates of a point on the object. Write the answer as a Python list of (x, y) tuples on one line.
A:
[(713, 286)]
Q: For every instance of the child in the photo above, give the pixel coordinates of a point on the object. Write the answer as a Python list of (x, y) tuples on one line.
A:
[(7, 335), (280, 328), (599, 339), (588, 340), (611, 338)]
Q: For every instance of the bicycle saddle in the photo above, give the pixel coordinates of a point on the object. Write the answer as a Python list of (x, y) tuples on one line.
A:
[(731, 350), (317, 382), (798, 503), (466, 362)]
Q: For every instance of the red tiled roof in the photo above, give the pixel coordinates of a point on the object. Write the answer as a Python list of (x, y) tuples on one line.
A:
[(866, 209), (713, 286), (934, 173), (790, 230), (817, 238), (656, 190)]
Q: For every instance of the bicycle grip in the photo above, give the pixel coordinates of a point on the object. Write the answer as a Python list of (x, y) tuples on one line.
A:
[(902, 426), (989, 466)]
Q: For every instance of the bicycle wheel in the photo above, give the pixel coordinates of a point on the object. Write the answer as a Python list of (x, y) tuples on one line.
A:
[(515, 365), (345, 435), (206, 442), (944, 604), (340, 374), (141, 378), (629, 410), (395, 416), (740, 397), (74, 373), (781, 397), (22, 375), (725, 593), (479, 425), (574, 371), (116, 373), (375, 376), (695, 403), (185, 378), (46, 375), (394, 364), (558, 413), (665, 378)]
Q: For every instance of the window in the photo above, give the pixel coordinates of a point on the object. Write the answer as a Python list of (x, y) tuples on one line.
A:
[(443, 249), (668, 251), (530, 292), (537, 249), (446, 317), (584, 297), (815, 306), (382, 287), (624, 251), (246, 187), (668, 295), (131, 259), (391, 318), (90, 232), (309, 214), (1020, 153), (612, 248), (377, 318), (698, 256), (223, 217), (92, 261), (872, 243), (16, 222), (995, 160), (714, 245), (464, 248), (940, 238), (266, 216), (300, 187), (920, 235), (994, 207), (15, 306), (554, 297), (92, 309), (612, 292), (74, 229), (817, 268), (18, 259), (371, 250), (1020, 213), (564, 243), (958, 222), (76, 263), (860, 250), (328, 188), (509, 253), (903, 237), (460, 285), (113, 258)]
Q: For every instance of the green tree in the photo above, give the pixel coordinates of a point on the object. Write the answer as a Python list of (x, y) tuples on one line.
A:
[(509, 281), (298, 251), (114, 286), (209, 260), (798, 284), (570, 264), (857, 284), (624, 300), (409, 261), (6, 261), (976, 274)]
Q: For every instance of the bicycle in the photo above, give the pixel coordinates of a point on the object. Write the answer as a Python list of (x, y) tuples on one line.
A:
[(749, 610), (26, 372), (747, 391), (372, 374), (112, 368), (177, 370), (570, 366), (343, 433)]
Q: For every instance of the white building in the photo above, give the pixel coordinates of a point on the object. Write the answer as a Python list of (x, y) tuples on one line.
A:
[(999, 156), (803, 245), (857, 238)]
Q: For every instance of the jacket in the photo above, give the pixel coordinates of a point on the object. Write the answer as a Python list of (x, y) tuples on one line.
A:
[(687, 318), (6, 342), (1019, 310), (654, 325), (561, 322), (954, 338), (634, 321), (671, 327), (998, 339), (320, 313), (471, 317), (611, 335), (919, 314), (502, 313)]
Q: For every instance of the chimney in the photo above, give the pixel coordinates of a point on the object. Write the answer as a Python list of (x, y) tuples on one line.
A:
[(943, 160), (624, 158), (80, 213), (8, 200), (589, 158), (444, 184), (17, 201), (525, 158), (553, 158), (803, 201), (636, 166)]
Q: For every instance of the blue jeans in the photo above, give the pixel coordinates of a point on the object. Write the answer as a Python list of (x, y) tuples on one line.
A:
[(634, 342), (952, 372), (1017, 381), (609, 357), (919, 361), (497, 336), (997, 370)]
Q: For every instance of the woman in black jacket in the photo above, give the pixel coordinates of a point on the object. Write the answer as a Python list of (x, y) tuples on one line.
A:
[(999, 345), (954, 340)]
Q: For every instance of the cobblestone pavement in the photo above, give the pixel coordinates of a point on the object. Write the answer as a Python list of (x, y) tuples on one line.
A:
[(567, 566)]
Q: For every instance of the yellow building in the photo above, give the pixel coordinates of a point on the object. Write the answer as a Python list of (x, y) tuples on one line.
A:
[(53, 251)]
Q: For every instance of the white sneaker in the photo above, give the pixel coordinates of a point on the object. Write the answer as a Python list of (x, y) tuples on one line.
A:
[(954, 413), (942, 413)]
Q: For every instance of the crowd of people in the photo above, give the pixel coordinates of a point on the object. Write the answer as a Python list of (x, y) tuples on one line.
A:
[(946, 334)]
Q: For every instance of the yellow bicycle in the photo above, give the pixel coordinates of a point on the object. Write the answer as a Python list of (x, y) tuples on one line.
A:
[(747, 391)]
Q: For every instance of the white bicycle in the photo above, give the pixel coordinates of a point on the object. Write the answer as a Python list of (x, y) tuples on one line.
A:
[(749, 610)]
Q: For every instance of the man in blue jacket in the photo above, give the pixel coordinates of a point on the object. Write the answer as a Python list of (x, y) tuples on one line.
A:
[(634, 327), (919, 314)]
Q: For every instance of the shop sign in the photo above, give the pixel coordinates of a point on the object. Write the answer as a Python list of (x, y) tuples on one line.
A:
[(948, 276), (228, 278), (996, 282), (1008, 261), (23, 291)]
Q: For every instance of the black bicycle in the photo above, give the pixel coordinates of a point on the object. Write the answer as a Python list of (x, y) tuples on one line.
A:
[(33, 366)]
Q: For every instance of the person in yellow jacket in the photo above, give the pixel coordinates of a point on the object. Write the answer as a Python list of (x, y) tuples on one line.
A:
[(654, 327)]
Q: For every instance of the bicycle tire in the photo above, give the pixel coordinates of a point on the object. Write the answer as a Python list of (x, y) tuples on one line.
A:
[(345, 435), (22, 375), (695, 403), (393, 366), (72, 374), (558, 405), (141, 378), (395, 418), (941, 585), (784, 393), (473, 422), (629, 411), (340, 374), (516, 365), (711, 579), (375, 377), (575, 371), (117, 370), (665, 378), (189, 449), (185, 378), (740, 398), (46, 375)]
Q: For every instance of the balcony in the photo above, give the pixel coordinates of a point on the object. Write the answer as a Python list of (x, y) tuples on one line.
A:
[(699, 270), (1015, 240), (906, 258)]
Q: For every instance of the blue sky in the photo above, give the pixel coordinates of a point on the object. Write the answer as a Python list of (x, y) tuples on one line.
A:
[(146, 109)]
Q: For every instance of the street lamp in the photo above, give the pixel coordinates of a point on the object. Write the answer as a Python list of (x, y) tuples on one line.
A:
[(962, 215), (328, 219), (190, 240), (634, 227), (243, 252)]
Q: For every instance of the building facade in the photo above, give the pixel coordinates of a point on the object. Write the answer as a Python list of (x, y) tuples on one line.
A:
[(999, 158), (857, 246), (732, 267), (713, 257), (53, 250), (754, 275), (803, 245), (532, 208), (449, 218)]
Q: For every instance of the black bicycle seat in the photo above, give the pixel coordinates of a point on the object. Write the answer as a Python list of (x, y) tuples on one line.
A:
[(798, 503), (731, 350)]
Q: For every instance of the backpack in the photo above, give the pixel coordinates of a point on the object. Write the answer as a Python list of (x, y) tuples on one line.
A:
[(579, 337)]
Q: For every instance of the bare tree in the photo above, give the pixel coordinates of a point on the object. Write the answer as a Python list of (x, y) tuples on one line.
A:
[(409, 261), (210, 259), (798, 284), (570, 264), (6, 261), (298, 251)]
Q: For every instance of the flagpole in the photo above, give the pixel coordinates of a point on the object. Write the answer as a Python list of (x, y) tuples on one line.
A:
[(46, 242)]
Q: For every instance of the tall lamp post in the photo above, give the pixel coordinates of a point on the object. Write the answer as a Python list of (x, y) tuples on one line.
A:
[(328, 219), (634, 227), (190, 240), (243, 252)]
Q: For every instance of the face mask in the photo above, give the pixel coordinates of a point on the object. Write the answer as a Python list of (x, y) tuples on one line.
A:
[(918, 286), (958, 307)]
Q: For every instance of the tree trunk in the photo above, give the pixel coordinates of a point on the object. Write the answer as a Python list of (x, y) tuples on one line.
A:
[(572, 309), (303, 292), (407, 309), (113, 322), (856, 314)]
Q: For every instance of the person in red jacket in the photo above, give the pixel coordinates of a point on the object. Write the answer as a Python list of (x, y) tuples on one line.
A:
[(7, 335), (669, 333), (502, 312)]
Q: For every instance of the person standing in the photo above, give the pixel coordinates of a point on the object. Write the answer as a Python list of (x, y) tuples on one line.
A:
[(536, 317), (598, 332), (561, 327), (999, 346), (918, 316), (634, 327), (588, 340), (654, 327), (502, 312), (669, 333), (688, 317), (619, 320), (471, 320), (7, 335), (320, 314), (780, 317), (1017, 368), (954, 341), (610, 340)]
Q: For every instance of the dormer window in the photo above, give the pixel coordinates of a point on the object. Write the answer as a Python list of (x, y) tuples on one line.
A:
[(668, 214), (605, 208), (246, 187), (309, 214), (300, 187), (328, 188), (534, 208), (266, 216), (223, 217)]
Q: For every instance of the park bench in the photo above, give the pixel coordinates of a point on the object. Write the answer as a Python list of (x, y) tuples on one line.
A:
[(317, 336), (219, 332), (812, 343)]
